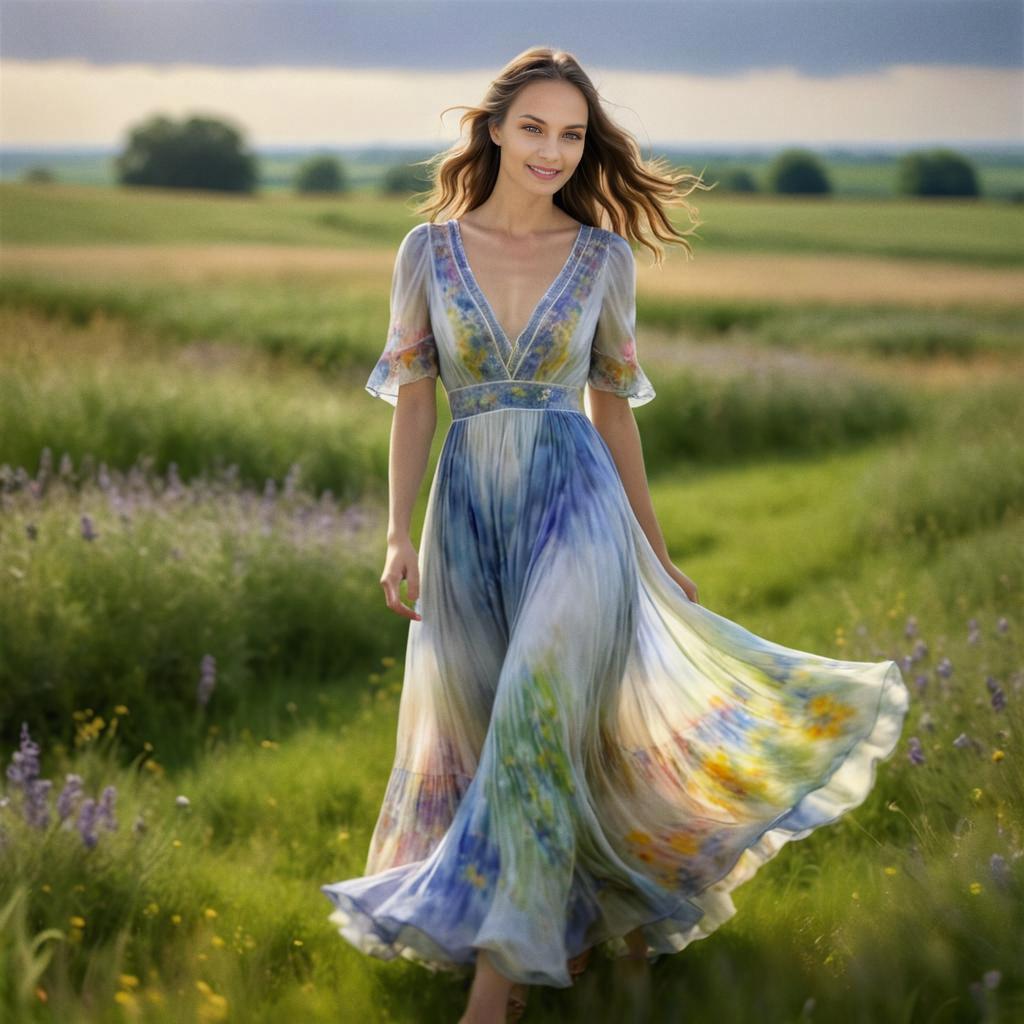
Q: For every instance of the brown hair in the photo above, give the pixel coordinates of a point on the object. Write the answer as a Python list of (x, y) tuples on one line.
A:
[(611, 178)]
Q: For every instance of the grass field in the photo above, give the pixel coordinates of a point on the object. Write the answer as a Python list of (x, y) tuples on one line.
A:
[(192, 487)]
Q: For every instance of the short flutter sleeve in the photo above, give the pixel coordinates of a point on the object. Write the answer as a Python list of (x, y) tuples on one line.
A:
[(613, 358), (410, 351)]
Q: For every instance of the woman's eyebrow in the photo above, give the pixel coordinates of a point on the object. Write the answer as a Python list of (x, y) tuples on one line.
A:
[(542, 121)]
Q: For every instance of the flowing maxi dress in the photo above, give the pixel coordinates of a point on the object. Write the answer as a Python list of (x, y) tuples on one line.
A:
[(581, 749)]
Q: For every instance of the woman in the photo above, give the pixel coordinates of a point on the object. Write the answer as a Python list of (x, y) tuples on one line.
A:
[(586, 755)]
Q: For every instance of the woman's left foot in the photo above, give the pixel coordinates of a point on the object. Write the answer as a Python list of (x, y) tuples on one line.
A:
[(578, 964), (516, 1002)]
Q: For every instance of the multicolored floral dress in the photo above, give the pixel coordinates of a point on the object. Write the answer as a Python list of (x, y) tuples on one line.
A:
[(581, 749)]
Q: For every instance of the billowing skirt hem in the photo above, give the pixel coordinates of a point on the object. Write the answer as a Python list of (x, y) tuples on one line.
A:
[(695, 915)]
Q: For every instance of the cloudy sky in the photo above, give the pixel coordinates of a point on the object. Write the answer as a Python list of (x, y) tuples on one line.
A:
[(688, 72)]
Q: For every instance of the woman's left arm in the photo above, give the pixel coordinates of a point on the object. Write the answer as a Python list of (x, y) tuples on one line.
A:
[(613, 418)]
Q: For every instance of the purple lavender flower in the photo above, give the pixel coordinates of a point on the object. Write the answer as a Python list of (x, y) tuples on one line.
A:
[(920, 650), (87, 822), (88, 530), (24, 766), (105, 808), (998, 697), (907, 662), (921, 681), (69, 796), (207, 679), (37, 804), (915, 753), (944, 668)]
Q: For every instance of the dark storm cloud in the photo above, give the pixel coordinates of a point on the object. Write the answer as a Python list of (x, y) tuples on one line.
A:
[(820, 37)]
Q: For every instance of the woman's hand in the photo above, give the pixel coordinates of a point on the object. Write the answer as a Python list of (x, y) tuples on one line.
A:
[(401, 564), (684, 581)]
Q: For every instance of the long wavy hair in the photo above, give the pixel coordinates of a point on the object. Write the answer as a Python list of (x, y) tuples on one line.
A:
[(612, 187)]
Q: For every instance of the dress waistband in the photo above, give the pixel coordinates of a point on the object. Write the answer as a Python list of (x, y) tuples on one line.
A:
[(513, 394)]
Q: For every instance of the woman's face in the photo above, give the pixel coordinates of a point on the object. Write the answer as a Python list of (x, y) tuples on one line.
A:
[(543, 131)]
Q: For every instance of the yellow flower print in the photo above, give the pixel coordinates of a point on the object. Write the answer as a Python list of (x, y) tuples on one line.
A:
[(475, 877), (684, 842), (829, 715)]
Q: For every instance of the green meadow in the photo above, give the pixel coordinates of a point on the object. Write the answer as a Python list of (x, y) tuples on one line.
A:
[(192, 519)]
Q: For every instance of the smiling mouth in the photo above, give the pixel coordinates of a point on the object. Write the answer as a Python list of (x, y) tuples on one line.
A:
[(544, 172)]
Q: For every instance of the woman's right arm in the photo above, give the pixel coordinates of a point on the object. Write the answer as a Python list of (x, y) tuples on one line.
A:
[(412, 432), (405, 376)]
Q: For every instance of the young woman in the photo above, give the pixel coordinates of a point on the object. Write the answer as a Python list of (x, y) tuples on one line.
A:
[(586, 756)]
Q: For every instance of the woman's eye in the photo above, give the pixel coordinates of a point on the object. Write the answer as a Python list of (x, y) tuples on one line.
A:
[(574, 135)]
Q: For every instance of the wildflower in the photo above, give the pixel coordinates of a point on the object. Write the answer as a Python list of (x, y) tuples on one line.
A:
[(76, 921), (88, 530), (944, 668), (87, 815), (207, 679), (1002, 625), (975, 888), (911, 627), (182, 801), (998, 755), (998, 700), (963, 740), (69, 795), (973, 633), (921, 681), (24, 766), (915, 754), (991, 979), (105, 807), (37, 807), (920, 650)]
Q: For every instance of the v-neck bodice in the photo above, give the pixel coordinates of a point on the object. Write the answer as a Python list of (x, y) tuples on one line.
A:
[(581, 330), (508, 344)]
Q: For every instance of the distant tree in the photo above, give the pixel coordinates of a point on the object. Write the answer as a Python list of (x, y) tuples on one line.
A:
[(38, 175), (409, 177), (737, 179), (936, 172), (321, 173), (199, 153), (797, 172)]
